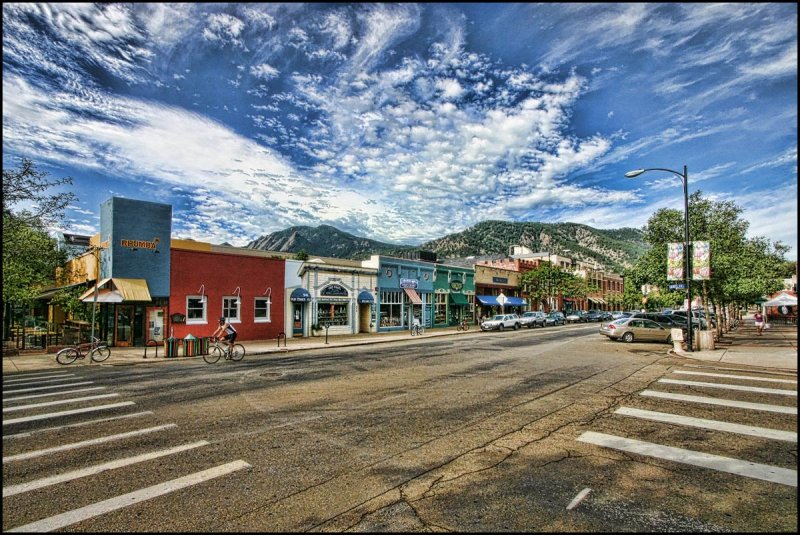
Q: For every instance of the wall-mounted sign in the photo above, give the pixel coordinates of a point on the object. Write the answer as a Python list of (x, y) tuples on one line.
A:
[(177, 318), (409, 283), (500, 280), (334, 290), (456, 285), (140, 244)]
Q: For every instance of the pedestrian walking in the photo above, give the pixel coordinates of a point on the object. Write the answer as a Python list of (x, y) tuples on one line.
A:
[(759, 319)]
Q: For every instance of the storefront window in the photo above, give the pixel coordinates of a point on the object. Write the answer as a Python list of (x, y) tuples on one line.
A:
[(195, 309), (262, 310), (391, 309), (333, 314), (230, 308), (441, 309)]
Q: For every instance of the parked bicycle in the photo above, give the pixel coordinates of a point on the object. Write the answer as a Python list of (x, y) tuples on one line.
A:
[(463, 325), (417, 329), (97, 350), (217, 351)]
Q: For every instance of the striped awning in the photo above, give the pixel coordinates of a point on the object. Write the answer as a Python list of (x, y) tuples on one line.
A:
[(598, 300), (413, 295)]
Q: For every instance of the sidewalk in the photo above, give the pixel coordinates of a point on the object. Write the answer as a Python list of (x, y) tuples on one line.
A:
[(777, 348)]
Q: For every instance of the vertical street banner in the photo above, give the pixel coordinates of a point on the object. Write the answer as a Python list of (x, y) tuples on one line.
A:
[(701, 260), (674, 261)]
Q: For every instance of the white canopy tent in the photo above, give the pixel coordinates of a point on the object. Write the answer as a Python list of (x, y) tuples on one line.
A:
[(782, 300)]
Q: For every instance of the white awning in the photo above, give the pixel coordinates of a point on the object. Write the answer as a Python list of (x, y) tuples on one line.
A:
[(118, 291)]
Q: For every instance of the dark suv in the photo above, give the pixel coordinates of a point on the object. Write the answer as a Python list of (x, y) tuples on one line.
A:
[(668, 321)]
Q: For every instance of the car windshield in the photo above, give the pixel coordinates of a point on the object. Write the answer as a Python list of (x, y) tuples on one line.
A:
[(498, 318)]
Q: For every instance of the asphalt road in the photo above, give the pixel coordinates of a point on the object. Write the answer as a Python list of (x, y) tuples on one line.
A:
[(535, 430)]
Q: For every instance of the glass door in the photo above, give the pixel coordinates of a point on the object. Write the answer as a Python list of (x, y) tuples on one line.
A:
[(123, 326)]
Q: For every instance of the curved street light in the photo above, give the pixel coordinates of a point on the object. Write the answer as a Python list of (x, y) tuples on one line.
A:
[(685, 179)]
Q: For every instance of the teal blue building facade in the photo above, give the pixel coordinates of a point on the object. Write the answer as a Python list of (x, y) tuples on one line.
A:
[(405, 291)]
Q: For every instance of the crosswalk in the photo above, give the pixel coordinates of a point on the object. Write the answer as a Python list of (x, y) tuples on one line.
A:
[(735, 393), (62, 404)]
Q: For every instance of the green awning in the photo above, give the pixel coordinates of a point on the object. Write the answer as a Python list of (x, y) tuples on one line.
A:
[(459, 299)]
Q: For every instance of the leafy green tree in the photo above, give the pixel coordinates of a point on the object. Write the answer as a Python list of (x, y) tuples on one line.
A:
[(30, 255), (301, 255), (549, 281)]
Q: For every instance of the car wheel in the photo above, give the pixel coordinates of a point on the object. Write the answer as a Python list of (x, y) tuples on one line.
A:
[(627, 337), (516, 326), (502, 327)]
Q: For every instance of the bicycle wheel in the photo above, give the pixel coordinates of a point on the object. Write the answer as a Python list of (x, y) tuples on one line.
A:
[(99, 354), (67, 355), (238, 352), (213, 355)]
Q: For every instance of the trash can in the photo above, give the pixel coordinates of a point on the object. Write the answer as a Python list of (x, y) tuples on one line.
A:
[(189, 346), (203, 344), (171, 346)]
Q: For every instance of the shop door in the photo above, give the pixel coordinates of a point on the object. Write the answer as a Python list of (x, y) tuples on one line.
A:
[(123, 326), (297, 319), (364, 318)]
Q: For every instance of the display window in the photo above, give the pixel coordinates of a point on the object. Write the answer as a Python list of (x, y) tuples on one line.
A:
[(333, 314), (391, 309), (440, 310)]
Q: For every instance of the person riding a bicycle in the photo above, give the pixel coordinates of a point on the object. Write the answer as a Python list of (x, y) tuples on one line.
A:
[(226, 332)]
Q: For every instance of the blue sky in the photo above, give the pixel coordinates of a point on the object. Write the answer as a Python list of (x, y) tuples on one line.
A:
[(406, 122)]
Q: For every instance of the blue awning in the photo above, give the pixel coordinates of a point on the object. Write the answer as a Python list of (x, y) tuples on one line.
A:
[(487, 300), (515, 302), (300, 295), (365, 297)]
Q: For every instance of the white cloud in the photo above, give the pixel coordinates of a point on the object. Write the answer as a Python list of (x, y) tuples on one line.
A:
[(264, 71)]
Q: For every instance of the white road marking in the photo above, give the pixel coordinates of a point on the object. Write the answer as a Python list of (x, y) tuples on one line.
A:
[(58, 402), (46, 388), (723, 402), (79, 424), (771, 372), (32, 396), (66, 413), (728, 376), (716, 425), (39, 381), (778, 391), (132, 498), (31, 378), (90, 442), (578, 499), (773, 474), (23, 376), (92, 470)]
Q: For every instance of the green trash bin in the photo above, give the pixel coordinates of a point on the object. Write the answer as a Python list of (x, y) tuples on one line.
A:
[(171, 347), (190, 346), (203, 344)]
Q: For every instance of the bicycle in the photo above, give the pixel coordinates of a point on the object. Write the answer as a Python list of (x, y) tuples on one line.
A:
[(417, 329), (462, 325), (98, 351), (216, 351)]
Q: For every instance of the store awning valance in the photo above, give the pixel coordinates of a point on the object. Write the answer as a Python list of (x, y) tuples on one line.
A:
[(365, 297), (459, 299), (413, 295), (487, 300), (598, 300), (515, 302), (300, 295), (118, 291)]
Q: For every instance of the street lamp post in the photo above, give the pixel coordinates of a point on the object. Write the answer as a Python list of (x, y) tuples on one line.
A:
[(686, 274)]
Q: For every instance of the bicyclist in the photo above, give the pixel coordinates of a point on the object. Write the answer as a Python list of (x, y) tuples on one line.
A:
[(225, 331)]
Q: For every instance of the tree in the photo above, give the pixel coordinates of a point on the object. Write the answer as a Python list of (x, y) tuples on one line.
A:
[(30, 256), (301, 255), (548, 281)]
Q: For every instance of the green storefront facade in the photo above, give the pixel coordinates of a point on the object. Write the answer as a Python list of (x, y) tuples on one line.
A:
[(453, 295)]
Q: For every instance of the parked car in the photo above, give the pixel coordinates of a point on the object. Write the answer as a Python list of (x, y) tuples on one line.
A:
[(667, 320), (617, 314), (576, 316), (636, 329), (597, 315), (697, 320), (533, 318), (501, 322), (557, 317)]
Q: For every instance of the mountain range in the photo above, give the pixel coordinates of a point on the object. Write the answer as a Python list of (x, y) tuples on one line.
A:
[(611, 249)]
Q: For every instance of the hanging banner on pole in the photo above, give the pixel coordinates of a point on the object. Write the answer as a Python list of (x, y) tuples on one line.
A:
[(701, 260), (674, 261)]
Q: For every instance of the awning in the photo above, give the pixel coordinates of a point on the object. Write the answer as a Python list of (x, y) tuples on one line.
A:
[(365, 297), (413, 295), (117, 291), (783, 299), (487, 300), (48, 294), (598, 300), (515, 302), (300, 295), (459, 299)]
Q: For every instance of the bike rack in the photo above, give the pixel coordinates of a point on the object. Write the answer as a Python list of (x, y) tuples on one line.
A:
[(326, 333), (281, 334), (151, 343)]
